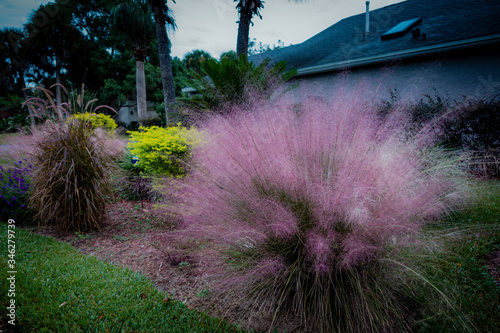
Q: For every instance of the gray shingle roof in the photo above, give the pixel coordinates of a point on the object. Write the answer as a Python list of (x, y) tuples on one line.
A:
[(443, 21)]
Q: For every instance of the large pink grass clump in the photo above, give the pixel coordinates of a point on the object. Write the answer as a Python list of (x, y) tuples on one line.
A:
[(309, 199)]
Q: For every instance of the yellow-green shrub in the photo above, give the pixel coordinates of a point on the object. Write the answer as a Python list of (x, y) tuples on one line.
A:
[(97, 120), (163, 150)]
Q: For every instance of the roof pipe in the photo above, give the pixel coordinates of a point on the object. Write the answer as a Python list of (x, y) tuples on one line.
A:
[(367, 25)]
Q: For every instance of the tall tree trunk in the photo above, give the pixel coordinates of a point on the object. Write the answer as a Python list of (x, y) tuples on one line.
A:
[(140, 83), (25, 94), (243, 31), (58, 81), (167, 77)]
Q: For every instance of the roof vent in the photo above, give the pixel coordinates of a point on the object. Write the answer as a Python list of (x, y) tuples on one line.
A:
[(415, 33), (401, 29)]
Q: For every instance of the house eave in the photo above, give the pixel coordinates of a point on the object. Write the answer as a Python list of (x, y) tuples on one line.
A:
[(405, 54)]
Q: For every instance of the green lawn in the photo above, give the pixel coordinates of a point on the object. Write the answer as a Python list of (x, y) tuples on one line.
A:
[(460, 270), (58, 289)]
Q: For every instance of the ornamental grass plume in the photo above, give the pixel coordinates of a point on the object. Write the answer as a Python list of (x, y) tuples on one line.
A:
[(308, 202), (70, 185)]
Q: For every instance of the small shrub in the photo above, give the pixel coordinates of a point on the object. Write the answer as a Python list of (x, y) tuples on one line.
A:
[(12, 114), (152, 121), (97, 120), (129, 184), (471, 126), (14, 187), (138, 188), (163, 150), (309, 205), (474, 126)]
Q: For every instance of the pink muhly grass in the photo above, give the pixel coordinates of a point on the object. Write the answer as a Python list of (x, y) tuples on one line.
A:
[(322, 192)]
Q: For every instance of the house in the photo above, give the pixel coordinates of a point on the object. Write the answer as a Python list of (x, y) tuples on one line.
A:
[(127, 113), (190, 92), (417, 47)]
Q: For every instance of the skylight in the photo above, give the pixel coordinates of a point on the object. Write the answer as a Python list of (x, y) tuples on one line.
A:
[(401, 28)]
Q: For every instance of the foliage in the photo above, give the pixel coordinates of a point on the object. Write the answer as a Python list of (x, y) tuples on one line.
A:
[(310, 204), (163, 150), (70, 182), (12, 113), (232, 55), (193, 60), (474, 125), (74, 103), (133, 22), (59, 289), (52, 35), (14, 187), (470, 126), (130, 184), (125, 89), (232, 82), (180, 74), (16, 57), (97, 120), (256, 48)]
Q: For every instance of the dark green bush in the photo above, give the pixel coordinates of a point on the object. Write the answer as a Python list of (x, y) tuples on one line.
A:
[(471, 126), (474, 125), (12, 113), (130, 184)]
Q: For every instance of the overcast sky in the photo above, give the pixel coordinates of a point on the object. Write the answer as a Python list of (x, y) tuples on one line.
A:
[(210, 25)]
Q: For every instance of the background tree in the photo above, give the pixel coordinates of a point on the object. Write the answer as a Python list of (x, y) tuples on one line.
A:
[(193, 60), (180, 74), (234, 82), (134, 22), (247, 9), (14, 59), (163, 17), (229, 55), (54, 37), (256, 48)]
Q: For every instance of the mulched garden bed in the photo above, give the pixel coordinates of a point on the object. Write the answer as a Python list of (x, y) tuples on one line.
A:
[(143, 238)]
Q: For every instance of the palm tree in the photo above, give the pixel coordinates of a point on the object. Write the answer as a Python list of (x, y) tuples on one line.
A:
[(247, 9), (193, 60), (134, 22), (163, 16)]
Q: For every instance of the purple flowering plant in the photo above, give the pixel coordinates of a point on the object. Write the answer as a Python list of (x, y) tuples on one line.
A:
[(310, 201), (14, 187)]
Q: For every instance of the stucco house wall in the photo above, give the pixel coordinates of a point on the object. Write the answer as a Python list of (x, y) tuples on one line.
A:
[(127, 113), (462, 75)]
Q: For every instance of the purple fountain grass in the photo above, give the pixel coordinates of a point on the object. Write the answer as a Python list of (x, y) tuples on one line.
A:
[(313, 195)]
